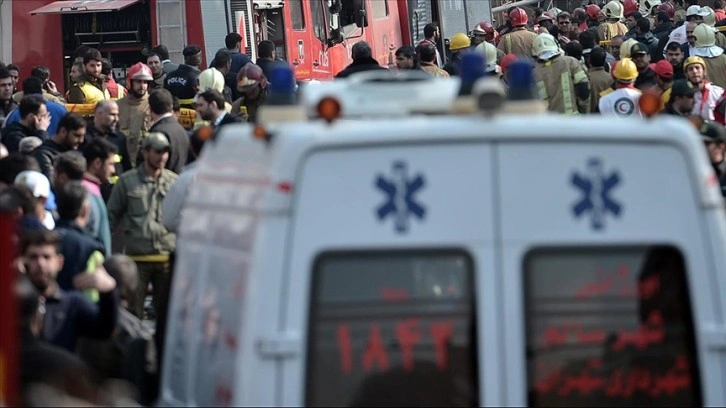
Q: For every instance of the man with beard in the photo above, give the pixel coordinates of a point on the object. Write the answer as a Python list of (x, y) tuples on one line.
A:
[(134, 115), (34, 121), (674, 55), (210, 107), (252, 85), (707, 94), (90, 86), (432, 36), (153, 60), (7, 104), (681, 101), (105, 125), (640, 54), (136, 203), (71, 132), (68, 315)]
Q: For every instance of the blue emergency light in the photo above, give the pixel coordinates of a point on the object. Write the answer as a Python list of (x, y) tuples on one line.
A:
[(520, 79), (471, 69), (282, 85)]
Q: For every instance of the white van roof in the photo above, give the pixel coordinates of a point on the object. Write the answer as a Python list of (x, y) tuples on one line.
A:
[(272, 165)]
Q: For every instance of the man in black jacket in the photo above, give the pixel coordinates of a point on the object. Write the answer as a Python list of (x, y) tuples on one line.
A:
[(71, 132), (105, 125), (163, 121), (210, 106), (184, 82), (362, 60), (34, 121), (663, 28)]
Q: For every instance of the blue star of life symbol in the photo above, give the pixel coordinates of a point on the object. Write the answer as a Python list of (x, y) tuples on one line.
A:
[(596, 187), (400, 201)]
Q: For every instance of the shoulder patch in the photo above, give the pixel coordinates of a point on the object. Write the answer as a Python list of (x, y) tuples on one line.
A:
[(605, 92)]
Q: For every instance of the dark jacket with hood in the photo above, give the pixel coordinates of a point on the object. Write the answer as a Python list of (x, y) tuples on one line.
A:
[(652, 43), (359, 65), (46, 154)]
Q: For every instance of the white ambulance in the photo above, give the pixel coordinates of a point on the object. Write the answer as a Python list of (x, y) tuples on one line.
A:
[(450, 260)]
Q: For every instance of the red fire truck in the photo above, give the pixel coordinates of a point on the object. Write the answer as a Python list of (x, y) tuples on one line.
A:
[(313, 35)]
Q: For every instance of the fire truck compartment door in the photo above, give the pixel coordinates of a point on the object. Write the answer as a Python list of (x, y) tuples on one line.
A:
[(83, 6), (267, 4)]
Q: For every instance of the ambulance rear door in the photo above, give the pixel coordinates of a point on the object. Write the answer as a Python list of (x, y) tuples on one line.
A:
[(390, 269), (607, 267)]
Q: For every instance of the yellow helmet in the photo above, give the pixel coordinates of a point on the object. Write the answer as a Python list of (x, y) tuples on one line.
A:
[(693, 60), (625, 70), (613, 10), (625, 47), (705, 37), (459, 41)]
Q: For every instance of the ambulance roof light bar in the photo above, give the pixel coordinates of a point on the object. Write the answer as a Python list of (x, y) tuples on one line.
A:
[(381, 94)]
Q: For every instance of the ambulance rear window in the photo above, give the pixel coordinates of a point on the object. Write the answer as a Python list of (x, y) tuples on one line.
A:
[(609, 327), (392, 329)]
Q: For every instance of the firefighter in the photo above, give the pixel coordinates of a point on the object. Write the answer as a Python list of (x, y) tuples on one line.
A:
[(89, 87), (612, 26), (707, 94), (593, 13), (252, 85), (693, 15), (483, 31), (518, 41), (184, 82), (713, 55), (623, 101), (561, 81), (459, 45), (134, 114), (630, 7)]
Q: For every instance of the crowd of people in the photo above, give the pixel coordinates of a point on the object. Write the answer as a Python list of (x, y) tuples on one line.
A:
[(97, 198)]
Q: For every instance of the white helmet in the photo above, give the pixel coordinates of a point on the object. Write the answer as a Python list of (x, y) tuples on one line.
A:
[(646, 6), (545, 47), (613, 10), (489, 52), (709, 16)]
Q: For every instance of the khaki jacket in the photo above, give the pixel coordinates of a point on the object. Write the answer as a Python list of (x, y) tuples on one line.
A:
[(135, 203), (518, 42), (716, 70), (556, 80), (608, 30), (600, 80), (433, 70), (134, 118)]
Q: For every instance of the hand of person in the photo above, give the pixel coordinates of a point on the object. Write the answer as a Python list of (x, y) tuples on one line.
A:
[(51, 87), (99, 280), (42, 122)]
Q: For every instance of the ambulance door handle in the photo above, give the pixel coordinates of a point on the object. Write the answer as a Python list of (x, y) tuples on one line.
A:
[(316, 64), (279, 346)]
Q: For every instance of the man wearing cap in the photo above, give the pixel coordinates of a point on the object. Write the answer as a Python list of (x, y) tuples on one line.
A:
[(664, 78), (623, 101), (252, 85), (640, 55), (681, 99), (134, 116), (560, 79), (184, 82), (89, 89), (39, 185), (136, 203), (707, 94)]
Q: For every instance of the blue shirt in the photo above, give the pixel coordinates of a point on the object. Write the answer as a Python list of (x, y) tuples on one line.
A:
[(239, 60), (56, 110)]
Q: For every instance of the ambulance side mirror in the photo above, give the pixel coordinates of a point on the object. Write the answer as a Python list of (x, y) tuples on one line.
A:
[(360, 18)]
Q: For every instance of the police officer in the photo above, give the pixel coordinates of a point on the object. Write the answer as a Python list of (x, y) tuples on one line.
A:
[(183, 83), (136, 203), (90, 86), (568, 94), (623, 101)]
